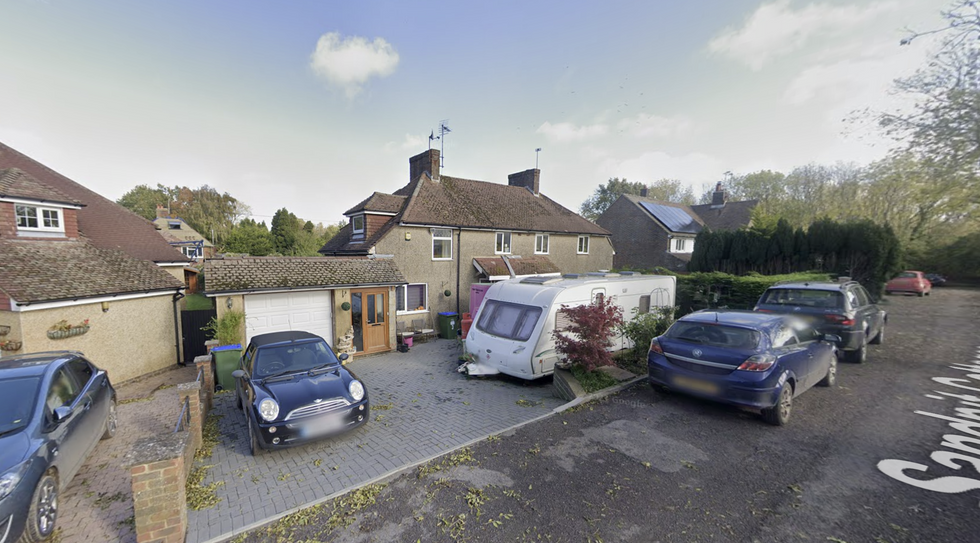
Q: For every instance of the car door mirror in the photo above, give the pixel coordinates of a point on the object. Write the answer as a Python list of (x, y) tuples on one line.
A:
[(238, 374), (61, 413), (833, 338), (344, 356)]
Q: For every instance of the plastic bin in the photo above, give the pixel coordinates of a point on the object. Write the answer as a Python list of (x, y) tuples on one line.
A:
[(448, 324), (226, 359)]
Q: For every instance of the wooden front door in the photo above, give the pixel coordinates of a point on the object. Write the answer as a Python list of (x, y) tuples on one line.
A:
[(369, 316)]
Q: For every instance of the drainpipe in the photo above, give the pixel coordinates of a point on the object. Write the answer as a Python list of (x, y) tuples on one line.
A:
[(177, 296), (459, 260)]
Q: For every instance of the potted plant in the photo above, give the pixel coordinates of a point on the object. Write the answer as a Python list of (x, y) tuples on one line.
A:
[(228, 331), (63, 329)]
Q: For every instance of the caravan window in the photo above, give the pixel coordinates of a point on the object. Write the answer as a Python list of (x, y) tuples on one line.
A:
[(508, 320)]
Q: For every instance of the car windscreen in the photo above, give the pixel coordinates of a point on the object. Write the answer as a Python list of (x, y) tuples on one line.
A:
[(508, 320), (715, 335), (803, 297), (18, 396), (293, 357)]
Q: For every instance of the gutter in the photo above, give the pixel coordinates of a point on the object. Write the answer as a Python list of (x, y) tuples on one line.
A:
[(64, 302)]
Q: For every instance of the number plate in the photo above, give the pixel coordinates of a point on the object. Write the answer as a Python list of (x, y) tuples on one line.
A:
[(696, 385), (322, 426)]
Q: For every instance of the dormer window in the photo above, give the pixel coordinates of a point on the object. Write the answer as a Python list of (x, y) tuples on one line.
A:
[(357, 226), (39, 219), (173, 225)]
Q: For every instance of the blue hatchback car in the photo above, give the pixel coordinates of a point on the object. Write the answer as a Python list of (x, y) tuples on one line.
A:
[(756, 360)]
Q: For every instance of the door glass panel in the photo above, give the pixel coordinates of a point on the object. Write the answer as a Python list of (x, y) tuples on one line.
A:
[(357, 320), (380, 307), (371, 318)]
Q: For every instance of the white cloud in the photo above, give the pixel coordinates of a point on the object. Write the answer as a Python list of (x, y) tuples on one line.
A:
[(694, 169), (647, 125), (568, 132), (350, 62), (777, 29), (411, 142)]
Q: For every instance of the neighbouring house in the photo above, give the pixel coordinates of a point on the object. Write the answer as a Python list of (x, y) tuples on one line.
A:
[(350, 301), (649, 233), (181, 236), (60, 290), (446, 233)]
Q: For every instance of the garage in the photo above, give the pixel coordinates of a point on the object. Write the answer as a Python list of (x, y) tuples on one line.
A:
[(308, 311)]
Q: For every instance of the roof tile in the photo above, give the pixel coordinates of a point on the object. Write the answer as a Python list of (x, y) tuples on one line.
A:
[(284, 273)]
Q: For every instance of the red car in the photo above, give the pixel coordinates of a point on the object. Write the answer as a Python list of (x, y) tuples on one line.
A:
[(909, 281)]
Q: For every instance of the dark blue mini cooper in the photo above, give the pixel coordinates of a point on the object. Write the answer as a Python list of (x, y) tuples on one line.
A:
[(294, 389), (755, 360)]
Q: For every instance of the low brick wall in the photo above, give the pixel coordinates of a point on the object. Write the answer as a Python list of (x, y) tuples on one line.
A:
[(567, 386), (159, 465)]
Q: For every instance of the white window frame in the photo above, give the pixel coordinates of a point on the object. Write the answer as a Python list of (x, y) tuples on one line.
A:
[(39, 217), (353, 225), (401, 291), (442, 238), (578, 247), (501, 248), (542, 244), (679, 245)]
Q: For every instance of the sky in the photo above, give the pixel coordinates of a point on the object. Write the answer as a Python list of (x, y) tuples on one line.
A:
[(312, 105)]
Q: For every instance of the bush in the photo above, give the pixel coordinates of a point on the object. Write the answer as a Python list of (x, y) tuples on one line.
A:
[(228, 329), (643, 328), (592, 381), (715, 289), (587, 339)]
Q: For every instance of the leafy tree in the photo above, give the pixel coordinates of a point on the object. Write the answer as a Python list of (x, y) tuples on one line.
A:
[(250, 238), (671, 190), (284, 230), (606, 194), (587, 339), (143, 201)]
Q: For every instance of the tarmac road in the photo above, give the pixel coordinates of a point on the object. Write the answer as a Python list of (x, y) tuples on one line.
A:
[(644, 465)]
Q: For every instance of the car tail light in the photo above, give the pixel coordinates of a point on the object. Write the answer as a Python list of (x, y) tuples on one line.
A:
[(759, 362), (839, 319), (655, 346)]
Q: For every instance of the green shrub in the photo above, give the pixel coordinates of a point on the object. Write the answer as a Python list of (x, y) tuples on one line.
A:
[(228, 329), (592, 381), (721, 290), (643, 328)]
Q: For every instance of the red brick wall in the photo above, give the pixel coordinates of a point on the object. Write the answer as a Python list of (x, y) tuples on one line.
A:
[(71, 223), (8, 221), (373, 223)]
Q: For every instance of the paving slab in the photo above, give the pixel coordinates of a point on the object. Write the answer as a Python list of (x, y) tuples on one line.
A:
[(421, 408)]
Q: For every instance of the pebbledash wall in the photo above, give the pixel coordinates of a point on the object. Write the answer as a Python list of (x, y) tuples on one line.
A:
[(133, 338), (414, 259)]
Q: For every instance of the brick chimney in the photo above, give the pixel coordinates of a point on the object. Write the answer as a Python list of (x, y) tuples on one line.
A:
[(719, 196), (644, 192), (162, 212), (427, 162), (529, 179)]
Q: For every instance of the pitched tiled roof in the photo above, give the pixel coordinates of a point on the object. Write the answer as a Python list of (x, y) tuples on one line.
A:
[(464, 203), (379, 201), (284, 273), (659, 210), (105, 223), (15, 183), (491, 265), (533, 265), (43, 271), (731, 216)]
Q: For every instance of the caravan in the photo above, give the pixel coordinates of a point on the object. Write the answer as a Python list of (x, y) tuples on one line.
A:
[(512, 331)]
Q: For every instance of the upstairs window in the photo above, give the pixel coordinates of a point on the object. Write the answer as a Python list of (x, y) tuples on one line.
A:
[(357, 226), (541, 242), (502, 245), (679, 245), (583, 245), (442, 244), (173, 225), (42, 219)]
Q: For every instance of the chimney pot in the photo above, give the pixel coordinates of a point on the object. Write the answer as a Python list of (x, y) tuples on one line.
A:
[(529, 179), (427, 162), (719, 196), (162, 212)]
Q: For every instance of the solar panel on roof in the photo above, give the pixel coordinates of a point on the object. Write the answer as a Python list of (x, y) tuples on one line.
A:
[(675, 219)]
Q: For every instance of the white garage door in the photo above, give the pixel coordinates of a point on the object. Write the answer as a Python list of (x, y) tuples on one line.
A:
[(281, 312)]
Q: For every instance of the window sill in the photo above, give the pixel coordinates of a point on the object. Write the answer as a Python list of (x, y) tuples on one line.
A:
[(412, 312), (537, 253), (442, 259)]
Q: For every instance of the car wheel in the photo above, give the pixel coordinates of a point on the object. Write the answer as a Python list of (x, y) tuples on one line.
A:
[(877, 340), (779, 414), (253, 439), (830, 379), (857, 356), (111, 421), (43, 512)]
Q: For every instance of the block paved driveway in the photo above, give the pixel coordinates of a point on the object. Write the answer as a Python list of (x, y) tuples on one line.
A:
[(431, 409)]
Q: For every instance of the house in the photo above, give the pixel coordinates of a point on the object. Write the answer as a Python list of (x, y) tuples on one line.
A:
[(446, 233), (60, 290), (349, 301), (181, 236), (649, 233)]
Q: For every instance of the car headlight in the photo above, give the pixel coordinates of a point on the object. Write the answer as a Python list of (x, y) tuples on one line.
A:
[(9, 480), (269, 409), (356, 390)]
